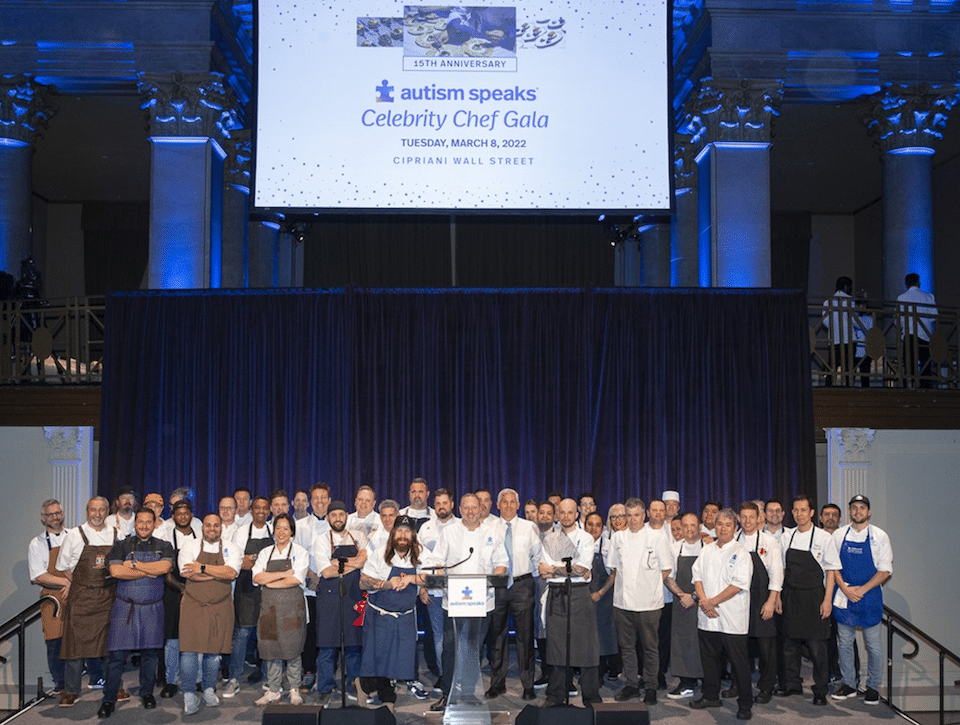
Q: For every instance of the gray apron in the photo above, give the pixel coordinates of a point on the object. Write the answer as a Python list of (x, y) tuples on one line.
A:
[(684, 643), (282, 627), (246, 595)]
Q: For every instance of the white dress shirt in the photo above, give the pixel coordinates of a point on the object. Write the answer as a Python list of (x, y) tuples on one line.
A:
[(167, 526), (72, 545), (770, 555), (38, 553), (879, 544), (526, 544), (640, 559), (190, 550), (717, 568), (823, 547)]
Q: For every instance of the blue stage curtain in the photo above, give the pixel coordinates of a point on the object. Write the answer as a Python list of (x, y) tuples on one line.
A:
[(619, 392)]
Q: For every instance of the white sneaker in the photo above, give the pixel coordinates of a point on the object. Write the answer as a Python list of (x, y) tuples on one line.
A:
[(210, 698), (295, 698), (231, 688), (191, 703), (269, 696)]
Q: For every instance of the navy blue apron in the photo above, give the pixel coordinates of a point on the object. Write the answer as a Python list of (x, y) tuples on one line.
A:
[(606, 631), (329, 606), (390, 631), (136, 621), (858, 569)]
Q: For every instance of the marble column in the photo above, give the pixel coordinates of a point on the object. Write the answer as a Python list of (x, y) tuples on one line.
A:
[(235, 268), (24, 111), (907, 122), (189, 116), (684, 245), (733, 180)]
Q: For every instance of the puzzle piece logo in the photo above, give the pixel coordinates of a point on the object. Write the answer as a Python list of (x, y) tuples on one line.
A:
[(384, 92), (467, 594)]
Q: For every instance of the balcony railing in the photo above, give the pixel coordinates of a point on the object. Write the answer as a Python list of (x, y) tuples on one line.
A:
[(51, 341), (884, 344), (851, 344)]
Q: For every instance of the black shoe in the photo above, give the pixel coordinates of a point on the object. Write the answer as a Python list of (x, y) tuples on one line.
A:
[(786, 692), (439, 706), (255, 676), (704, 703), (627, 693), (744, 714), (528, 694), (542, 681), (843, 692), (819, 700), (168, 691), (106, 710), (730, 692), (763, 697), (149, 702), (650, 698), (494, 692)]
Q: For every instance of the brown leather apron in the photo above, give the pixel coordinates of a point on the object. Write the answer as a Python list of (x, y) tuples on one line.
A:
[(282, 628), (86, 619), (206, 611), (52, 625)]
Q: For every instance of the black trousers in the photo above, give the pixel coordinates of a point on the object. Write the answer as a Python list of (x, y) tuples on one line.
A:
[(663, 644), (818, 657), (713, 645), (518, 602), (559, 682), (767, 652), (381, 685)]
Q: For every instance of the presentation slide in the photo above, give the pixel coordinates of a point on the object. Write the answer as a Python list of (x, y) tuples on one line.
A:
[(379, 105)]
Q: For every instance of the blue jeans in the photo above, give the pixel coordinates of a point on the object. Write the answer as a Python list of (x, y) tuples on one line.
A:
[(115, 665), (210, 667), (325, 673), (54, 662), (871, 640), (171, 660), (437, 615), (238, 655)]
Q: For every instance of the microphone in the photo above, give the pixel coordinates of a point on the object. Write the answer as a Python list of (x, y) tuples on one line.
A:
[(343, 562), (567, 561), (448, 566)]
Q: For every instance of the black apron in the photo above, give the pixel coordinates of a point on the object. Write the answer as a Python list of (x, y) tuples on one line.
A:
[(172, 593), (329, 606), (246, 595), (684, 643), (759, 592), (803, 592), (606, 631), (584, 643), (282, 627)]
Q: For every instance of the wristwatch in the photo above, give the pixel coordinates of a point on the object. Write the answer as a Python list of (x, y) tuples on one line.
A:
[(203, 568)]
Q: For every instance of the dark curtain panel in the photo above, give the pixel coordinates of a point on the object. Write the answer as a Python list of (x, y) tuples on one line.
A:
[(622, 392), (116, 241)]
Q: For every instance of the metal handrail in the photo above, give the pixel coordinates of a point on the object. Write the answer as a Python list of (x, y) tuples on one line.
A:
[(52, 341), (858, 343), (16, 626), (898, 625)]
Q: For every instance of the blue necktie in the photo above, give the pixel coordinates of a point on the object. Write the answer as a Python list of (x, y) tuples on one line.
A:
[(509, 544)]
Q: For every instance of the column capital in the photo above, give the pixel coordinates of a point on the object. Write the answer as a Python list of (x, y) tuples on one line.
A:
[(236, 166), (901, 116), (65, 441), (739, 110), (853, 443), (187, 104), (25, 108), (688, 142)]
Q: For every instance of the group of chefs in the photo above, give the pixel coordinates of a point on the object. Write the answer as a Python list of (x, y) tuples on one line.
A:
[(653, 592)]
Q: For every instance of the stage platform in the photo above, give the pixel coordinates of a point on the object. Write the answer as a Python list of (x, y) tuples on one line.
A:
[(410, 711)]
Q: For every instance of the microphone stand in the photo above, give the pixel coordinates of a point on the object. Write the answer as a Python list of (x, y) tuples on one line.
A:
[(568, 677), (342, 561)]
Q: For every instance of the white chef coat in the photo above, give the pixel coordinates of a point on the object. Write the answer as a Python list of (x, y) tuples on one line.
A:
[(191, 548), (717, 568), (454, 545), (770, 555), (299, 560), (639, 558)]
